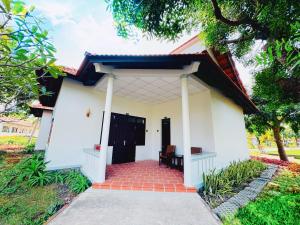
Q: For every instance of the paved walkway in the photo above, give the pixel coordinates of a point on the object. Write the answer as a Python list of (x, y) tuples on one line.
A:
[(114, 207), (144, 175)]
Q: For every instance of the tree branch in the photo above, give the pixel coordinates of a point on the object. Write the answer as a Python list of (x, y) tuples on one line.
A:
[(237, 40), (246, 20)]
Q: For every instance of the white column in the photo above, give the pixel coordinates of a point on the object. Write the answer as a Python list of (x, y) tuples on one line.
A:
[(105, 130), (186, 131)]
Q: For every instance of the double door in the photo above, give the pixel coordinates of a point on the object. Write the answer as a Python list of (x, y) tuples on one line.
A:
[(126, 132)]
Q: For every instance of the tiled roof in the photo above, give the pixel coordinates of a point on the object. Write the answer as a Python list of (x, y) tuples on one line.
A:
[(69, 70), (227, 64), (15, 121), (40, 106)]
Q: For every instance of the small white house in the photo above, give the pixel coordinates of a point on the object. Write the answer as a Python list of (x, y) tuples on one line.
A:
[(133, 106)]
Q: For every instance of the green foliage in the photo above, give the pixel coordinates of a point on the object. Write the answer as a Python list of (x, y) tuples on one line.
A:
[(29, 149), (237, 23), (278, 204), (29, 194), (25, 48), (77, 182), (29, 206), (223, 182), (17, 140), (33, 170)]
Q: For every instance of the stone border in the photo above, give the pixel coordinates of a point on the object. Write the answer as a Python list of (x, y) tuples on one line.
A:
[(230, 207)]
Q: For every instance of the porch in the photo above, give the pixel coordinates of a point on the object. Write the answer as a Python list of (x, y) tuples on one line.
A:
[(135, 100), (144, 175)]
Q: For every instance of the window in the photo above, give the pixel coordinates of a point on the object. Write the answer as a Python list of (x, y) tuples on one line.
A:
[(14, 130), (5, 129)]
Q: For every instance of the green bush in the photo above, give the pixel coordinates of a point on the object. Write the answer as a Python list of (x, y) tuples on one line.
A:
[(220, 183), (278, 204), (31, 172), (77, 182), (29, 149)]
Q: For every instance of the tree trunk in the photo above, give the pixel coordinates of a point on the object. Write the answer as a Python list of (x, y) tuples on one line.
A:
[(282, 154)]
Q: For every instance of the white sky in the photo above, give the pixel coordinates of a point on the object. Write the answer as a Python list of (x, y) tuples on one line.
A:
[(77, 26)]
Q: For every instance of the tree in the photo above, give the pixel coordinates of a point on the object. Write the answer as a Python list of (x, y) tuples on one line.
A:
[(24, 48), (221, 23), (276, 106), (236, 26)]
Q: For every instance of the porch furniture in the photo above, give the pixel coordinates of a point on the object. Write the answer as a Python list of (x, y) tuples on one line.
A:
[(177, 162), (196, 150), (167, 156)]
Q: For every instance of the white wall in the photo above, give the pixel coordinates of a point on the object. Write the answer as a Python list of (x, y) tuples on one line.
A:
[(200, 123), (45, 126), (73, 130), (217, 125), (229, 131)]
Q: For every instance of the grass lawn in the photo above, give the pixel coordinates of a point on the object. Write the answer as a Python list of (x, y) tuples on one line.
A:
[(278, 204), (29, 195), (16, 140), (294, 152), (28, 205)]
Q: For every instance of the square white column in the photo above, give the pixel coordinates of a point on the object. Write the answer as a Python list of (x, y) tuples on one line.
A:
[(105, 130), (186, 131)]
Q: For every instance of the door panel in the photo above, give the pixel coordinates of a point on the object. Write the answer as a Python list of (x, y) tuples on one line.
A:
[(123, 138), (165, 133)]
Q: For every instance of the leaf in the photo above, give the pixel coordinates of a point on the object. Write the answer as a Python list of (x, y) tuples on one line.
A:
[(6, 4)]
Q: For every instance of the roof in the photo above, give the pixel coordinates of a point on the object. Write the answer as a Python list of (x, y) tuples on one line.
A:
[(37, 109), (208, 71), (15, 121), (185, 45), (224, 60)]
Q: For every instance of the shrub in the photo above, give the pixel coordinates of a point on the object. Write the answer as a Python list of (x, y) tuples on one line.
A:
[(294, 167), (33, 170), (29, 149), (220, 183), (278, 204), (76, 182)]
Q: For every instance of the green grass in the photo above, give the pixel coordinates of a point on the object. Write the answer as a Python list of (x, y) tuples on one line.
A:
[(28, 205), (15, 140), (278, 204), (294, 152), (29, 195)]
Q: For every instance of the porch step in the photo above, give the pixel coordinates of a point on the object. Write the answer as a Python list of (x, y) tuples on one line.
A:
[(144, 187)]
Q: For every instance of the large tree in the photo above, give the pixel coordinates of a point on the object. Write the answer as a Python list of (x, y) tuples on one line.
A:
[(277, 107), (24, 48), (236, 26)]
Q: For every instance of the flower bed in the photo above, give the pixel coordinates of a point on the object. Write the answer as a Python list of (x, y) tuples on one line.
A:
[(272, 161), (222, 185)]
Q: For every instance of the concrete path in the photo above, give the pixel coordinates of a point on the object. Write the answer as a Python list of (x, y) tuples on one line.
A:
[(113, 207)]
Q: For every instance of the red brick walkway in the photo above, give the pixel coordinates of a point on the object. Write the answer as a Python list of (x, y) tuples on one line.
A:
[(143, 176)]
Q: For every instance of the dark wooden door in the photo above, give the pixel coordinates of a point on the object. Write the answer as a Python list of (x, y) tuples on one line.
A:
[(165, 133), (122, 138)]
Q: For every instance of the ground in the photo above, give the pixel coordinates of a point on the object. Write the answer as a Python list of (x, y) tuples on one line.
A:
[(293, 154), (278, 204), (114, 207)]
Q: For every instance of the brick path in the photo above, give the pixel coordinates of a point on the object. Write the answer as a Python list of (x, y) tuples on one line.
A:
[(143, 176)]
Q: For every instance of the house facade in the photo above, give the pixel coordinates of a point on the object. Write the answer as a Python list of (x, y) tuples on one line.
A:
[(133, 106), (16, 127)]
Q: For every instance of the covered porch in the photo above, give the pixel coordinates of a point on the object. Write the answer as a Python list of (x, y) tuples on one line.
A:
[(144, 175), (152, 91)]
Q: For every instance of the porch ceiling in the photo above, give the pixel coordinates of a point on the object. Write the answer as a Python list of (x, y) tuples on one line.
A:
[(150, 90)]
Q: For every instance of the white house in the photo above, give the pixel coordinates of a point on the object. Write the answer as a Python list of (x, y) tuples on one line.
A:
[(122, 102)]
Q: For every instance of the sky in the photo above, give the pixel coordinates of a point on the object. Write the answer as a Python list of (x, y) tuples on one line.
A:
[(79, 26)]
